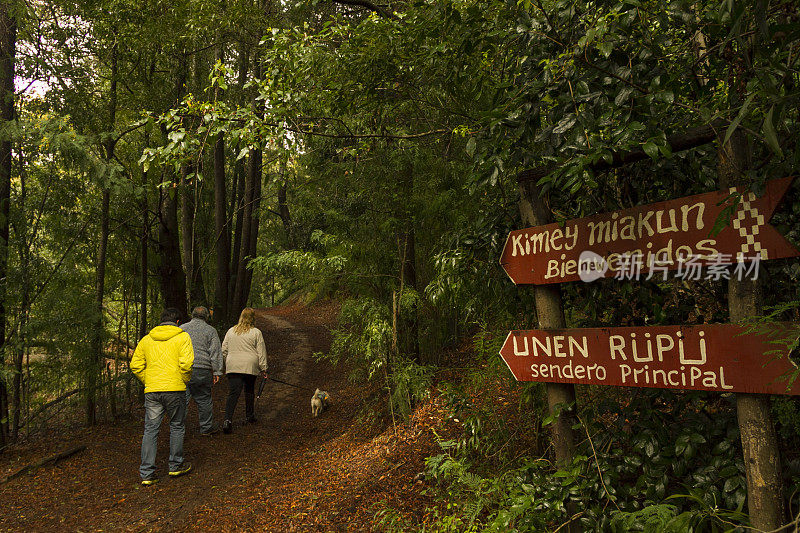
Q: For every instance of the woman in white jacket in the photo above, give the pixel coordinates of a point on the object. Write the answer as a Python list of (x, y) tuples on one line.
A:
[(245, 358)]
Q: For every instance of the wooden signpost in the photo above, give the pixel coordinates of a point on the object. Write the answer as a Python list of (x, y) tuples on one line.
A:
[(625, 244), (714, 357), (645, 239)]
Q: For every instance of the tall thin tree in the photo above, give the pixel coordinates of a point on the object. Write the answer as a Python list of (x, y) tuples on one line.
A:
[(252, 189), (98, 335), (171, 272), (222, 234), (8, 51)]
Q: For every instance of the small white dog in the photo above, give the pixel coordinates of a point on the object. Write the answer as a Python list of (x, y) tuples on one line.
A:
[(319, 402)]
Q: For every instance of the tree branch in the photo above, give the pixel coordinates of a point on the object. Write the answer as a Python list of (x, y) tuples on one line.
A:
[(49, 459), (368, 5), (45, 407), (677, 142)]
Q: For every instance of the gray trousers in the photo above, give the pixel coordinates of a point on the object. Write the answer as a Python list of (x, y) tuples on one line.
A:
[(155, 405), (199, 388)]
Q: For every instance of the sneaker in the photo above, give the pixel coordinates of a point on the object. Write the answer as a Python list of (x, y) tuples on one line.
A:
[(252, 420), (185, 469), (227, 426), (150, 481), (212, 431)]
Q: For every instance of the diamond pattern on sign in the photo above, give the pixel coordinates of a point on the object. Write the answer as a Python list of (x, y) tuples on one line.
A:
[(748, 223)]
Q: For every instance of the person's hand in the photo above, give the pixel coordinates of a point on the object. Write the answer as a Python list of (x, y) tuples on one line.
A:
[(264, 374), (216, 380)]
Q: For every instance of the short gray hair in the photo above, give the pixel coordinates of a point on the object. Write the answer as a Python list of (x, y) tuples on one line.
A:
[(200, 312)]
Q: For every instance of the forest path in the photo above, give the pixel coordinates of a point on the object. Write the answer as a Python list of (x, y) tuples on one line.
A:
[(287, 472)]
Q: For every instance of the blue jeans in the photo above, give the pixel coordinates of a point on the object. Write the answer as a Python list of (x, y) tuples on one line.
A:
[(155, 405), (199, 388)]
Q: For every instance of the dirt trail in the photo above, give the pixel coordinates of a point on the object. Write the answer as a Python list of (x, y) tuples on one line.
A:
[(294, 368), (288, 472)]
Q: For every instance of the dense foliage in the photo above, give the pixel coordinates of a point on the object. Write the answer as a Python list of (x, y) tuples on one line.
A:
[(226, 153)]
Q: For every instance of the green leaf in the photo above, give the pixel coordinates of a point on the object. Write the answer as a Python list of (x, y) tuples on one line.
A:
[(623, 95), (650, 448), (697, 438), (725, 216), (735, 123), (769, 133), (681, 444), (651, 149), (722, 447), (471, 146), (565, 123)]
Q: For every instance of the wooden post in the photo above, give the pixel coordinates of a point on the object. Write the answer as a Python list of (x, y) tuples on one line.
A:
[(550, 315), (759, 440)]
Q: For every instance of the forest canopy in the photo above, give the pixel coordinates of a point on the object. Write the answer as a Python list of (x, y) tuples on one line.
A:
[(244, 152)]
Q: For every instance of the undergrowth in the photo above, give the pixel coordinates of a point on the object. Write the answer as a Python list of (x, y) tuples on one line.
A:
[(647, 459), (364, 338)]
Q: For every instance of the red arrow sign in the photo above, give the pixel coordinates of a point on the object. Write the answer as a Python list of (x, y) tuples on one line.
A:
[(652, 238), (723, 358)]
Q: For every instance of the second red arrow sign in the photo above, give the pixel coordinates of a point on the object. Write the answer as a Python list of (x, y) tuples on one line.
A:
[(722, 358)]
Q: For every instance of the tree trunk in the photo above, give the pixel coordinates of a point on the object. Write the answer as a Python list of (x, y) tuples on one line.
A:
[(171, 272), (255, 220), (550, 315), (284, 213), (409, 320), (759, 440), (222, 234), (198, 292), (18, 350), (409, 325), (190, 205), (189, 242), (237, 214), (186, 228), (252, 175), (144, 280), (173, 281), (8, 51), (144, 243), (96, 357), (237, 202), (251, 187)]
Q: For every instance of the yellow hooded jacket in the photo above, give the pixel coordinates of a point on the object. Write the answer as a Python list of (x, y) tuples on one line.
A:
[(163, 359)]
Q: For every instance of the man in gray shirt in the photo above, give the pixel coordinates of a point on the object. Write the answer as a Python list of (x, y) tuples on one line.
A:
[(207, 367)]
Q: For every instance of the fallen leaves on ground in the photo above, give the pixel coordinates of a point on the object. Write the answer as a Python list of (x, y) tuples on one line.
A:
[(288, 472)]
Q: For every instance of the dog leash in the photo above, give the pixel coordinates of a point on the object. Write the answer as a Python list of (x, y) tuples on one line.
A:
[(286, 383)]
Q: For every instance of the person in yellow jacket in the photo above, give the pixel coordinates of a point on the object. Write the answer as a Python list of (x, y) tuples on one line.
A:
[(163, 362)]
